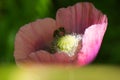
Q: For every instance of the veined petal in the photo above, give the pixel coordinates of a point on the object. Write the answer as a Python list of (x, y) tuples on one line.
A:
[(78, 17), (91, 42), (33, 37)]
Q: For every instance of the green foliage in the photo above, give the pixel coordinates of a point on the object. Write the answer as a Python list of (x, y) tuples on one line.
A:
[(44, 8)]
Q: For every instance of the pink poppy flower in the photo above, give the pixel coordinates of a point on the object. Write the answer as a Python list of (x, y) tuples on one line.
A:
[(82, 28)]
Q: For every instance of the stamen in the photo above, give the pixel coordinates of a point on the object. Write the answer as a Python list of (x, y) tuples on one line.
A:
[(68, 43)]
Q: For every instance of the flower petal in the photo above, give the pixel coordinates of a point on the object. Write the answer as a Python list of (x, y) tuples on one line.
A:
[(41, 57), (44, 57), (62, 58), (33, 37), (91, 42), (78, 17), (57, 58)]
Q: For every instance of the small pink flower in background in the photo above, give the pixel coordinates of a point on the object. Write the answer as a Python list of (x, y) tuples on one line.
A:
[(83, 21)]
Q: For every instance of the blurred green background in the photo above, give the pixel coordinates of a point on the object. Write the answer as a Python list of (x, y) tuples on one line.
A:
[(16, 13)]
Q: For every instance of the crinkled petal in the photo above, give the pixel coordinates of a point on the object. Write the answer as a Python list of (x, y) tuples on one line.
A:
[(78, 17), (33, 37), (41, 56), (91, 42), (56, 58)]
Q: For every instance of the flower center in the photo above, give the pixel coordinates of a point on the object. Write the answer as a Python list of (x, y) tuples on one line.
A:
[(67, 43)]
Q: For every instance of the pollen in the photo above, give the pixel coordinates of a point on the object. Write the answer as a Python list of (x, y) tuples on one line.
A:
[(68, 43)]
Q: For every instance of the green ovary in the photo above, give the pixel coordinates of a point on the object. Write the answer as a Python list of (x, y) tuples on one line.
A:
[(67, 43)]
